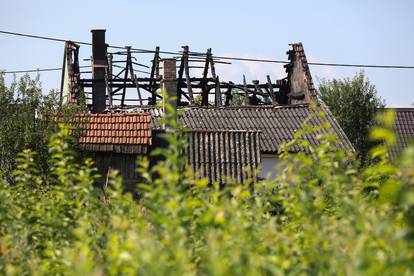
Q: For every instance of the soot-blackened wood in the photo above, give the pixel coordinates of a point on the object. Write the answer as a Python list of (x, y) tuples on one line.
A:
[(229, 96), (180, 81), (137, 86), (157, 65), (282, 96), (125, 77), (254, 99), (187, 75), (213, 69), (271, 91), (257, 89), (154, 75), (217, 93), (246, 95), (139, 64), (117, 75), (108, 79), (203, 83), (133, 75)]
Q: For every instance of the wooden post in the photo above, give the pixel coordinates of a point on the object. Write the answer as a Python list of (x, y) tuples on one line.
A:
[(204, 96), (229, 96), (179, 80), (218, 92), (271, 91), (213, 69), (187, 75), (246, 95), (128, 60), (108, 79), (155, 72), (157, 62), (134, 78)]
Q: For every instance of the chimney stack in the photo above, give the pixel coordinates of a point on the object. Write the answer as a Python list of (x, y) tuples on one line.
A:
[(99, 62), (169, 81)]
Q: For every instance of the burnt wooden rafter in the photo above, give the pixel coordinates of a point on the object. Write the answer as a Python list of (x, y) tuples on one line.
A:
[(187, 75), (154, 75), (108, 79), (205, 90), (229, 95), (120, 75), (129, 69)]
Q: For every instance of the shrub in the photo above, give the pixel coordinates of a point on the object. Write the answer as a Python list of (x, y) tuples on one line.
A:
[(321, 215)]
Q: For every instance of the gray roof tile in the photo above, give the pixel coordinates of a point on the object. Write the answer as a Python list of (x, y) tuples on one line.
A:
[(277, 124), (404, 129)]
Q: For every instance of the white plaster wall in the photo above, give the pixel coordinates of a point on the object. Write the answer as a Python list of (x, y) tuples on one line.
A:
[(268, 166)]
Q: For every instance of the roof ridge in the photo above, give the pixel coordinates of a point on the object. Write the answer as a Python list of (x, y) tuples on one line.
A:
[(400, 108), (235, 107), (143, 113)]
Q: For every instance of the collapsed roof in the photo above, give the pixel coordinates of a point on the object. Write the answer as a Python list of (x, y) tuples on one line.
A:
[(118, 79)]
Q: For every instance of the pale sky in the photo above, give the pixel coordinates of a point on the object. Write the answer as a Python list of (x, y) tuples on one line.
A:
[(365, 32)]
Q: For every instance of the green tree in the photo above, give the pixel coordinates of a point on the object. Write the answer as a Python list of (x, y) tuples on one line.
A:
[(25, 120), (354, 103)]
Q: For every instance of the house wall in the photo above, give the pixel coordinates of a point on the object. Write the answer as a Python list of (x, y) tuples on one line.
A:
[(268, 166), (125, 164), (127, 167)]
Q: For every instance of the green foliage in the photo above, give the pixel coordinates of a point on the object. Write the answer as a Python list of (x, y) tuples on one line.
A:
[(28, 120), (22, 105), (354, 103), (321, 215)]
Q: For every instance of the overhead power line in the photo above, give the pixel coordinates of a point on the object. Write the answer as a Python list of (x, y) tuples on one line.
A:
[(82, 43), (319, 63), (201, 54), (38, 70), (43, 37)]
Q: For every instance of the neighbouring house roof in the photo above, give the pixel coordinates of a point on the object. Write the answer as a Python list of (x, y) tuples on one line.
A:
[(277, 124), (404, 129), (122, 133), (221, 155)]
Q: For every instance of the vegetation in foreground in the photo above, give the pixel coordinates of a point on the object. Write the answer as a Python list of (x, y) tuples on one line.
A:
[(322, 215)]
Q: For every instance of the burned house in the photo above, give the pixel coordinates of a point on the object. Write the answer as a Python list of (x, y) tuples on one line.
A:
[(228, 140)]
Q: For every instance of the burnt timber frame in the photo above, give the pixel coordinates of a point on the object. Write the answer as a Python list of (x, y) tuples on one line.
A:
[(114, 73)]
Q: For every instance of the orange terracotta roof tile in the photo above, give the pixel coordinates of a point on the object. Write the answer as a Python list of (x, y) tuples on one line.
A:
[(112, 129)]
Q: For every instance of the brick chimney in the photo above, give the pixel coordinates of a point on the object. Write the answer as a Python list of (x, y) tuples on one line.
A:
[(169, 81), (99, 62)]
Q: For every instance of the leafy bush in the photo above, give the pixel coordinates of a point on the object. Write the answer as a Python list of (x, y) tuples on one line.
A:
[(22, 105), (28, 120), (322, 215)]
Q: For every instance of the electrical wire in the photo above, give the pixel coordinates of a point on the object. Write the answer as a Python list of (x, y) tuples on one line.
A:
[(82, 43), (37, 70), (201, 54)]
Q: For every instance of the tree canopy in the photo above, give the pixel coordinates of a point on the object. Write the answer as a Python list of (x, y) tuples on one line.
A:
[(22, 105), (354, 103)]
